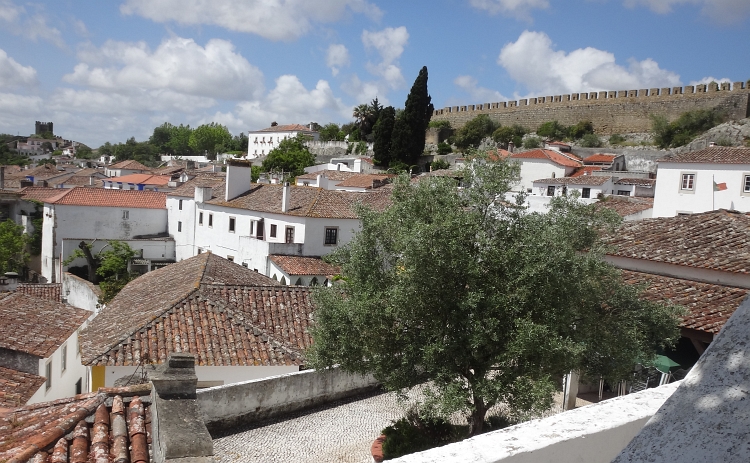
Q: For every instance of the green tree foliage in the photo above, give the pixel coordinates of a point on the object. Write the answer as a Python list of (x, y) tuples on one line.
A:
[(239, 143), (46, 135), (484, 299), (210, 138), (591, 140), (439, 164), (84, 152), (580, 130), (382, 133), (532, 142), (110, 267), (474, 131), (143, 152), (8, 156), (331, 132), (505, 135), (444, 148), (685, 128), (552, 130), (407, 141), (13, 255), (616, 139), (439, 124), (290, 156), (352, 130), (46, 161)]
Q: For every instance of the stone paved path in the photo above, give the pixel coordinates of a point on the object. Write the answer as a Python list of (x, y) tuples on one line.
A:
[(340, 432)]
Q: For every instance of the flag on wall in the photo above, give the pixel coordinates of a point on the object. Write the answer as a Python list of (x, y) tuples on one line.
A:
[(719, 186)]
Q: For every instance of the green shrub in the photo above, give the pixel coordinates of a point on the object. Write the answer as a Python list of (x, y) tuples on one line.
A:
[(581, 129), (505, 135), (552, 130), (683, 130), (616, 139), (439, 164), (472, 133), (725, 141), (444, 148), (415, 434), (591, 140), (532, 142), (439, 124)]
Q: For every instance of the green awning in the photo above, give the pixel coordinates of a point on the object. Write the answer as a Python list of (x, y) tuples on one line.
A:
[(664, 363)]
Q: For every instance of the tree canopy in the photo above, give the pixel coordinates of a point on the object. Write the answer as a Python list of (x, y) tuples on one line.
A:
[(382, 133), (487, 301), (211, 138), (108, 268), (290, 156), (407, 141), (474, 131), (13, 255)]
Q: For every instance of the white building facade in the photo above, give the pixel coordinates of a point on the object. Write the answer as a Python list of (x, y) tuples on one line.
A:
[(542, 164), (261, 142)]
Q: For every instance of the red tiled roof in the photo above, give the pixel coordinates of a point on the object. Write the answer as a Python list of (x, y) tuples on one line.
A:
[(603, 158), (585, 170), (100, 197), (17, 387), (286, 128), (49, 291), (709, 306), (45, 171), (712, 155), (716, 240), (129, 164), (37, 326), (39, 193), (365, 181), (647, 182), (580, 180), (329, 174), (80, 429), (626, 205), (551, 155), (144, 179), (215, 180), (153, 295), (299, 265)]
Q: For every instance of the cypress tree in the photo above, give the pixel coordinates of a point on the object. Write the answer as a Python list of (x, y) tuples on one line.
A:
[(382, 133), (407, 141)]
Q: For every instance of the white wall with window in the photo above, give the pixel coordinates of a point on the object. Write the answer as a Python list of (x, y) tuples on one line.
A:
[(688, 188), (66, 375)]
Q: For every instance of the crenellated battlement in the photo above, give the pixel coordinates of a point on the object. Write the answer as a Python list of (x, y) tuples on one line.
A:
[(622, 111)]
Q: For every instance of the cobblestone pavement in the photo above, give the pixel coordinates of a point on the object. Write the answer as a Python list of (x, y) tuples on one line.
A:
[(341, 431)]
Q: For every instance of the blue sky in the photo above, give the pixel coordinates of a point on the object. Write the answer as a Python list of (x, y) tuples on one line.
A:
[(108, 70)]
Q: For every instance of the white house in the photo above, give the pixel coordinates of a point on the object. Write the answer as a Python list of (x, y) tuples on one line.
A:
[(326, 179), (704, 180), (126, 167), (641, 187), (98, 214), (261, 142), (541, 164), (588, 186), (39, 356)]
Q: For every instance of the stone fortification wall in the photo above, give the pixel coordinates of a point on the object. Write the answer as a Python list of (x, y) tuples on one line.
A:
[(624, 111)]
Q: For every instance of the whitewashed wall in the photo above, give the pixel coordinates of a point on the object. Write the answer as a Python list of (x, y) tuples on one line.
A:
[(535, 169), (63, 382), (207, 374), (80, 293)]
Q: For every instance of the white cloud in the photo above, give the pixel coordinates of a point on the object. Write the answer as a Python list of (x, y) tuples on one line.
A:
[(533, 62), (13, 74), (478, 94), (337, 57), (273, 19), (178, 65), (517, 8), (389, 43), (708, 80), (31, 26), (365, 91), (726, 11)]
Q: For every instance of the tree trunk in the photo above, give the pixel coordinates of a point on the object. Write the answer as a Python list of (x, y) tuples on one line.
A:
[(92, 262), (477, 416)]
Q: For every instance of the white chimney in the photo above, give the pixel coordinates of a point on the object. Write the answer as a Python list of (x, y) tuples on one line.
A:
[(203, 194), (510, 146), (285, 195), (713, 143)]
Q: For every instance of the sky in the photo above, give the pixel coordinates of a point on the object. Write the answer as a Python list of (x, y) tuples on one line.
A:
[(108, 70)]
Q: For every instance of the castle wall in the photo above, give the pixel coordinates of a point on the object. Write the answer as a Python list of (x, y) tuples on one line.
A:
[(624, 111)]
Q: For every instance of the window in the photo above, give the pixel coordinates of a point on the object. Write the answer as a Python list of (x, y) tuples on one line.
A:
[(623, 193), (332, 236), (746, 183), (200, 250), (586, 193), (230, 258), (48, 375), (79, 386), (63, 359), (688, 182), (210, 220), (232, 221), (179, 227), (551, 190), (244, 264), (273, 231), (200, 218), (179, 205), (125, 215), (260, 229), (289, 235)]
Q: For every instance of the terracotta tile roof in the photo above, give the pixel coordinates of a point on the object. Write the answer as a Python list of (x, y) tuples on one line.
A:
[(169, 170), (43, 172), (580, 180), (37, 326), (286, 128), (17, 387), (709, 305), (329, 174), (110, 425), (150, 296), (599, 157), (100, 197), (9, 170), (187, 189), (306, 201), (551, 155), (49, 291), (129, 164), (647, 182), (11, 193), (712, 155), (39, 193), (368, 181), (299, 265), (626, 205), (585, 170), (716, 240), (145, 179)]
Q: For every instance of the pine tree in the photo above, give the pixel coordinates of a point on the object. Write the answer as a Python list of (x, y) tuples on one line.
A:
[(382, 133), (407, 142)]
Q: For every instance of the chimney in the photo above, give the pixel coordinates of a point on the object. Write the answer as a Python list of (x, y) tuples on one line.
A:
[(510, 146), (91, 180), (203, 194), (239, 178), (285, 196)]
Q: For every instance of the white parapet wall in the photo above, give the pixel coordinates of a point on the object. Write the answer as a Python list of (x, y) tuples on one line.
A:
[(245, 402), (591, 434), (80, 293)]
